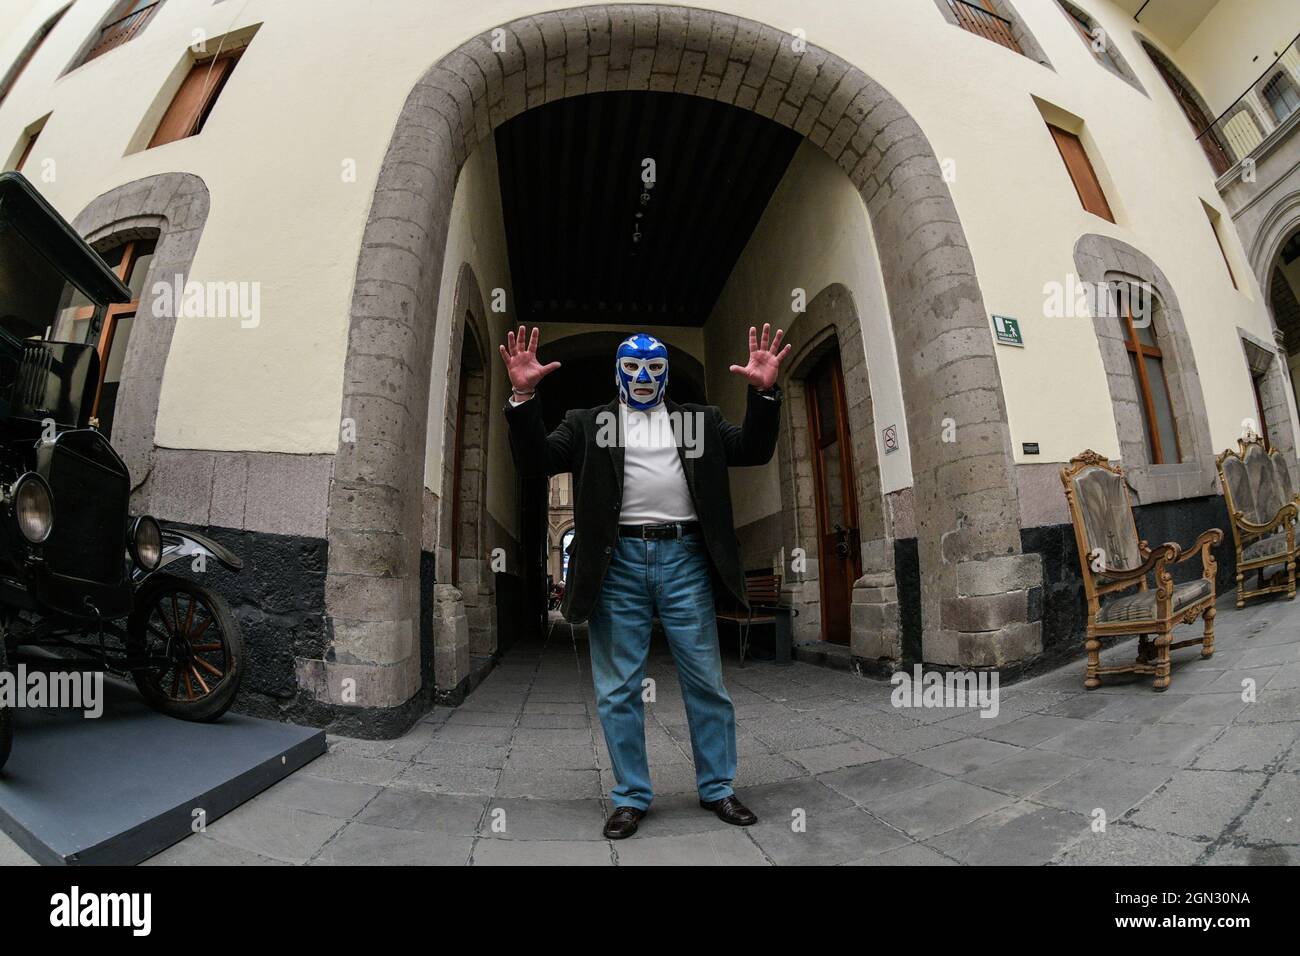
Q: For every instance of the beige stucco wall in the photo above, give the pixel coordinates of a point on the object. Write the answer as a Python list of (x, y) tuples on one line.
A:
[(476, 235), (814, 232), (322, 85), (1227, 52)]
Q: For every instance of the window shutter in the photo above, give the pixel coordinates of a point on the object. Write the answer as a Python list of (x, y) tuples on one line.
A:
[(192, 100), (1081, 172)]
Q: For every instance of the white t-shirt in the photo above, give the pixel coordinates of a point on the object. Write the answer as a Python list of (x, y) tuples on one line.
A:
[(654, 484)]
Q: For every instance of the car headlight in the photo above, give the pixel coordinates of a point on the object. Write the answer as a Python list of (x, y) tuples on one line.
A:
[(146, 542), (33, 507)]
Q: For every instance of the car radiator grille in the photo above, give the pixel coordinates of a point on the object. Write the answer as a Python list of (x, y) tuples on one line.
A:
[(90, 511)]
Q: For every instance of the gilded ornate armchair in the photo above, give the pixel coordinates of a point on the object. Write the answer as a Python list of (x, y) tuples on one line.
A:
[(1262, 505), (1113, 559)]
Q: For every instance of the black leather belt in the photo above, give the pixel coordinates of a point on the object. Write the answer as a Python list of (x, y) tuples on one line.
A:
[(653, 532)]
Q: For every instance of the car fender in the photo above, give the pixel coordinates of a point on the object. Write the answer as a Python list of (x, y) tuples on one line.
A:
[(186, 545)]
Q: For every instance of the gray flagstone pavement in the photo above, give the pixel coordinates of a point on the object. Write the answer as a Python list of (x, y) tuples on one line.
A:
[(519, 772)]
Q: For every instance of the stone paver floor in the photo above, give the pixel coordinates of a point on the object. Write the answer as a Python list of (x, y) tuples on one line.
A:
[(519, 772)]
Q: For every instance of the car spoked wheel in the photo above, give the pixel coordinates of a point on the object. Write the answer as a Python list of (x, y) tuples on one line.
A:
[(6, 715), (188, 644)]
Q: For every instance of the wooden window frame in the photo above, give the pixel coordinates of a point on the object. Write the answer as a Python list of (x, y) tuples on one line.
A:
[(1000, 31), (1140, 350), (105, 42), (1081, 168), (183, 119), (116, 312)]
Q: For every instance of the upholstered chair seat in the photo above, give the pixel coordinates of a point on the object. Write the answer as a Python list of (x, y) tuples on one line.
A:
[(1260, 496), (1142, 605), (1120, 569)]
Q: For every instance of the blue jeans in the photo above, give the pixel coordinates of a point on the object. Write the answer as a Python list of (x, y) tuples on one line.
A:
[(668, 578)]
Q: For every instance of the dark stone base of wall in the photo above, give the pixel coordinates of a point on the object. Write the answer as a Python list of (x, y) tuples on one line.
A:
[(907, 575), (479, 668), (279, 600), (428, 579)]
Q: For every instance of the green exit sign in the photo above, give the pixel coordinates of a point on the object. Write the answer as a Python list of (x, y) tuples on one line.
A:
[(1007, 331)]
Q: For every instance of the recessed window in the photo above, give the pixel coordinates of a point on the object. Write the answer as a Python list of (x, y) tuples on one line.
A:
[(1193, 107), (1147, 363), (1081, 173), (29, 53), (130, 261), (1091, 33), (1099, 43), (23, 149), (26, 152), (1281, 96), (194, 100), (121, 25), (1214, 220), (979, 17)]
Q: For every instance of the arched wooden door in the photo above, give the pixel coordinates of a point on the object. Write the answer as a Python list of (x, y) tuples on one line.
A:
[(838, 535)]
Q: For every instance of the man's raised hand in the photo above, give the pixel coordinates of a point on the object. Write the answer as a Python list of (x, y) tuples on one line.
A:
[(520, 354), (764, 359)]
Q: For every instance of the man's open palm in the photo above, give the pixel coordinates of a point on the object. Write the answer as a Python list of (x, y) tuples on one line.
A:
[(520, 354), (764, 358)]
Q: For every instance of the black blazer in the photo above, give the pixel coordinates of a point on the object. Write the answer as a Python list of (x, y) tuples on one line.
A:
[(598, 483)]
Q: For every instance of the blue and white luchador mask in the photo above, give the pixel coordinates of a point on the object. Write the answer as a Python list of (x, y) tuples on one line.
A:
[(641, 371)]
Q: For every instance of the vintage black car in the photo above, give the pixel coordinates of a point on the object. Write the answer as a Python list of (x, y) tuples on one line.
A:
[(80, 577)]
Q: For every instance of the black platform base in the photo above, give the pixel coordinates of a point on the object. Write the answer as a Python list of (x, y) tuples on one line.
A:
[(124, 786)]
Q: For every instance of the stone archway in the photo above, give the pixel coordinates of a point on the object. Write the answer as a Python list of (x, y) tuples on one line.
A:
[(831, 322), (1102, 260), (463, 615), (172, 209), (1271, 234), (965, 492)]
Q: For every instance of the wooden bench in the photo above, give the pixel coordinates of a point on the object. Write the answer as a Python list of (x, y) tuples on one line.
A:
[(762, 592)]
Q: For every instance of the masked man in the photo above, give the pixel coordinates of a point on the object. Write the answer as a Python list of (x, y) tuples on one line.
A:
[(653, 536)]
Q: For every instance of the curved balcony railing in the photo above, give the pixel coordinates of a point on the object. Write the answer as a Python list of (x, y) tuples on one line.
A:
[(1270, 102), (979, 20)]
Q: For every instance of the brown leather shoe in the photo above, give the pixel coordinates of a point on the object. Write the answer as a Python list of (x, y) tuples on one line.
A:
[(622, 823), (731, 810)]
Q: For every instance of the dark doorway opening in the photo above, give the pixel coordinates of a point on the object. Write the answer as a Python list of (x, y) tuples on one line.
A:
[(627, 209)]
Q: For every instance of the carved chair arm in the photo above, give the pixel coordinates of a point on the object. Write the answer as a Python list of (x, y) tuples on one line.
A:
[(1286, 513), (1154, 559), (1203, 545)]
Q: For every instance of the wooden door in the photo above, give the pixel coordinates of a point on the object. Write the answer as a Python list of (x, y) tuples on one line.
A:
[(1209, 139), (837, 508)]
